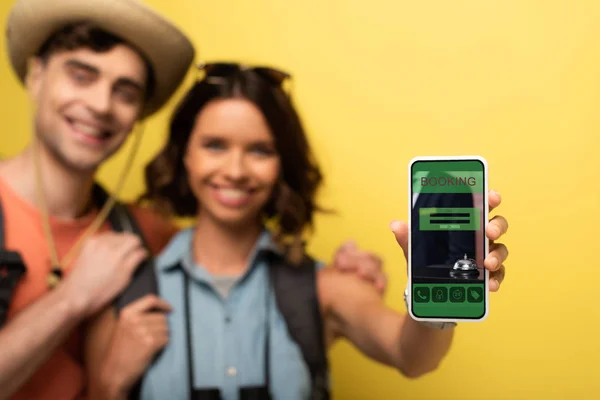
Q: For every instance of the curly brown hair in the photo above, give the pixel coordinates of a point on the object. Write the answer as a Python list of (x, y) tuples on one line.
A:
[(292, 203)]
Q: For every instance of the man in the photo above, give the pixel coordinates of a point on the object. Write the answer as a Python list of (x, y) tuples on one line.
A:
[(93, 69), (89, 87)]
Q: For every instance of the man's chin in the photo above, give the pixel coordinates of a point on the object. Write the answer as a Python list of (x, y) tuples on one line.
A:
[(87, 163), (77, 158), (83, 165)]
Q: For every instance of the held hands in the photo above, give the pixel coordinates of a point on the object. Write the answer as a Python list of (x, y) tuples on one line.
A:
[(498, 253)]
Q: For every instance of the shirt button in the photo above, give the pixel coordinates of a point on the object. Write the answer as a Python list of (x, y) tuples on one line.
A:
[(231, 371)]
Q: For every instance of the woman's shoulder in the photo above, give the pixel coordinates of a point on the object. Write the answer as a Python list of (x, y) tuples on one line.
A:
[(176, 249), (157, 229)]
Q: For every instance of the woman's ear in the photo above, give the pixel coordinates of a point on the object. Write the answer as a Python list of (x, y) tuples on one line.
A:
[(186, 159)]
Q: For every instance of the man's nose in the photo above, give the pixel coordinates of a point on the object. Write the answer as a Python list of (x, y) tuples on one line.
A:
[(99, 99)]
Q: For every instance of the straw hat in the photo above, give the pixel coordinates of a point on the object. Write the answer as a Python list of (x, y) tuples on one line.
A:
[(31, 22)]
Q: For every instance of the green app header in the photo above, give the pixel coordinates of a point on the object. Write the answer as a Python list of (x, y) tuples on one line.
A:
[(447, 177)]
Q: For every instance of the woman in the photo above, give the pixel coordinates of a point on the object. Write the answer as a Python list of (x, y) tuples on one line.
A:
[(238, 161)]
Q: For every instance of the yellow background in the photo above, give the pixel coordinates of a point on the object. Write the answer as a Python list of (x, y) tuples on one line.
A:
[(381, 81)]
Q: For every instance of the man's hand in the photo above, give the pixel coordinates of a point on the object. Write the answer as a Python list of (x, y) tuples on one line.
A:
[(498, 253), (349, 258), (102, 270)]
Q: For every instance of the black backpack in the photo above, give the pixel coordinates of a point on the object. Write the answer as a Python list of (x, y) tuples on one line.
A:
[(294, 287)]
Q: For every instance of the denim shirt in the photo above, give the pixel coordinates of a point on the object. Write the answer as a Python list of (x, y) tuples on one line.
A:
[(227, 334)]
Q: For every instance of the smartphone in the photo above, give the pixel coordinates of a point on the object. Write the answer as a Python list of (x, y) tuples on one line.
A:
[(447, 244)]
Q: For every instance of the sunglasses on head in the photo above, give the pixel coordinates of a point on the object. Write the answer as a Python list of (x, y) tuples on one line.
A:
[(224, 70)]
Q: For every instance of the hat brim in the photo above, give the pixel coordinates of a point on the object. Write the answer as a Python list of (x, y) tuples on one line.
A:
[(169, 51)]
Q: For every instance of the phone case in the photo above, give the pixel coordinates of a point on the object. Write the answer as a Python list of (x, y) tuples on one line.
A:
[(409, 293)]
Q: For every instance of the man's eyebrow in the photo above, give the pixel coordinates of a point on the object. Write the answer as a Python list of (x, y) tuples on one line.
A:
[(121, 81), (131, 82), (82, 65)]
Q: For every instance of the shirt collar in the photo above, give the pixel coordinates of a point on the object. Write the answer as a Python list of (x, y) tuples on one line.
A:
[(179, 251)]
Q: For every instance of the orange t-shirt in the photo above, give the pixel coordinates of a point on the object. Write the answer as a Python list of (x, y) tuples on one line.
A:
[(62, 377)]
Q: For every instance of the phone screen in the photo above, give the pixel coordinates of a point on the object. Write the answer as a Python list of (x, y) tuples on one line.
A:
[(448, 242)]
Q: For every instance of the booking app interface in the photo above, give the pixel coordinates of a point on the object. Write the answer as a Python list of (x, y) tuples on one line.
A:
[(448, 239)]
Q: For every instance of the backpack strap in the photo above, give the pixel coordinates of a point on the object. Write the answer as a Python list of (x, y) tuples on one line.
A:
[(144, 280), (12, 269), (297, 299)]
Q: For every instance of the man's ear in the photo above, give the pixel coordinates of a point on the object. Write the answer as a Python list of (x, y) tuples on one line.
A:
[(33, 80)]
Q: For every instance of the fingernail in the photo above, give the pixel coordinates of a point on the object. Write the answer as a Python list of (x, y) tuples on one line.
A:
[(394, 225), (497, 283), (495, 193)]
